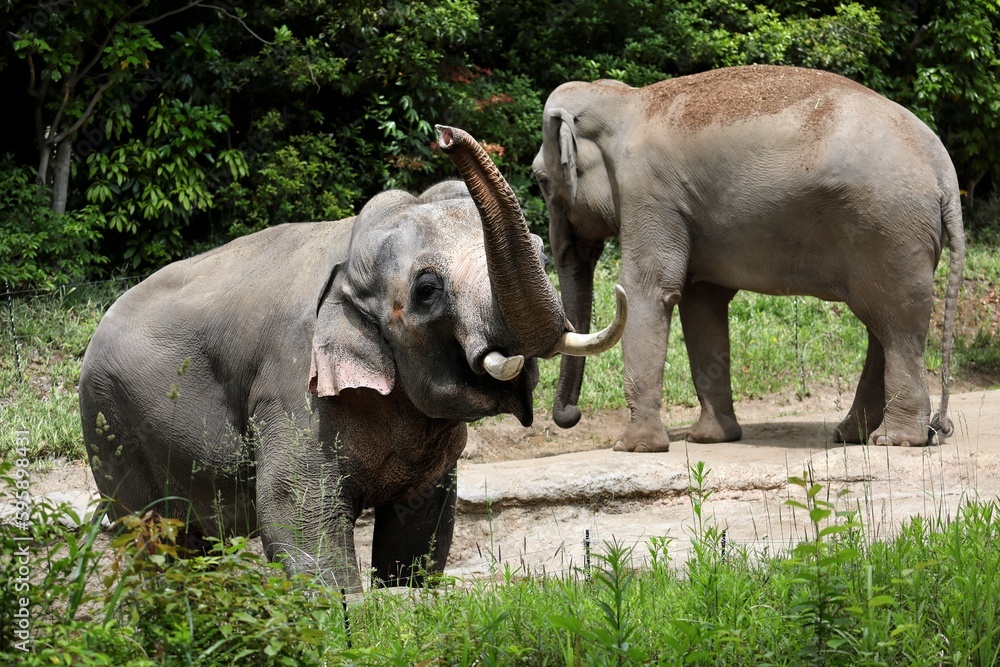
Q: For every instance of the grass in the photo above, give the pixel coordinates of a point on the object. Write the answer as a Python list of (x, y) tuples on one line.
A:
[(40, 365), (928, 596)]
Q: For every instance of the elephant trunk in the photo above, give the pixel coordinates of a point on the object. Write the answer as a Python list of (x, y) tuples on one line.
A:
[(565, 412), (576, 279), (527, 301)]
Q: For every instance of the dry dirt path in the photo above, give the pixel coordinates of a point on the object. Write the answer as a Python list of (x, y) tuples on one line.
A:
[(533, 513), (530, 512)]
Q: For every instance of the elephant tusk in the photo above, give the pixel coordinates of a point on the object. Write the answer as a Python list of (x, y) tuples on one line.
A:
[(585, 345), (502, 367)]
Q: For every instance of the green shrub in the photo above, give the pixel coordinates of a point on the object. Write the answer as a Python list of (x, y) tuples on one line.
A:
[(139, 604), (37, 246), (302, 179)]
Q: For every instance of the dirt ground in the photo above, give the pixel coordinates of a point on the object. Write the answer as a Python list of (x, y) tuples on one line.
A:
[(528, 497)]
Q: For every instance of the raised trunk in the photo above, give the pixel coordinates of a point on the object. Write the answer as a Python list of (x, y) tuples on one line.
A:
[(526, 299)]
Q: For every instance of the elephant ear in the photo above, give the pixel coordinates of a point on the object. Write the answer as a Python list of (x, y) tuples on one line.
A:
[(567, 147), (348, 350)]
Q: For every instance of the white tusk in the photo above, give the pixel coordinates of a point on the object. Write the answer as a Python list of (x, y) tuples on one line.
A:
[(502, 367), (585, 345)]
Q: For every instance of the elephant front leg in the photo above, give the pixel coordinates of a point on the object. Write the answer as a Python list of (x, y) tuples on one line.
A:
[(704, 311), (305, 522), (308, 546), (412, 537), (644, 347)]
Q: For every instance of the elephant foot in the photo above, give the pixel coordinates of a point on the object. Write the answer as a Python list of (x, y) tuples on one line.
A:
[(715, 429), (854, 430), (643, 439), (888, 438)]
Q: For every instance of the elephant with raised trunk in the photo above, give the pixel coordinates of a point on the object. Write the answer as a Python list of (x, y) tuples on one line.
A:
[(779, 180), (284, 382)]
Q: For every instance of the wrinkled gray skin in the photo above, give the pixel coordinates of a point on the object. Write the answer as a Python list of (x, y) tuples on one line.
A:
[(773, 179), (321, 369)]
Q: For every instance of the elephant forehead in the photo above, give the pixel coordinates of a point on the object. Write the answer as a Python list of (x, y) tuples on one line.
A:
[(450, 224), (439, 236), (469, 270)]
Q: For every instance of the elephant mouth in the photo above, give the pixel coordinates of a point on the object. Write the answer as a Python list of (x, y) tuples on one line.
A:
[(523, 389), (514, 396)]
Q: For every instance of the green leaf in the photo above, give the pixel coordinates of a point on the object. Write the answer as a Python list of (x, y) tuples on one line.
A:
[(881, 601)]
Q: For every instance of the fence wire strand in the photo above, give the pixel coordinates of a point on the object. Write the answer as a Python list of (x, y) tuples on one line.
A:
[(13, 331)]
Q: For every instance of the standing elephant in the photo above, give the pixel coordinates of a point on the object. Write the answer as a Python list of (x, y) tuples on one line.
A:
[(288, 380), (779, 180)]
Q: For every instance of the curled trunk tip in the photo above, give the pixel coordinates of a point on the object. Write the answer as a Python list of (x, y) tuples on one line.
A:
[(446, 137)]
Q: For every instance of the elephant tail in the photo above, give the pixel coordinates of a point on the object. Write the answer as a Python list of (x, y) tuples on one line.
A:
[(951, 218)]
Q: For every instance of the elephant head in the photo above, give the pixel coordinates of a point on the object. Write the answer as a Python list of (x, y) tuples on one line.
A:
[(575, 184), (445, 295)]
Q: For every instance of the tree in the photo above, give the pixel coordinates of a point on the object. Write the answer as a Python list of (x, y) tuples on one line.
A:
[(93, 67), (168, 126), (76, 53), (943, 62)]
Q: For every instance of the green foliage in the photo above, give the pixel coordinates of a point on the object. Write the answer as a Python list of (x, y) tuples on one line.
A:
[(146, 606), (983, 220), (818, 588), (613, 577), (842, 42), (642, 42), (942, 63), (149, 187), (981, 355), (931, 594), (224, 608), (185, 128), (45, 562), (303, 178), (37, 246)]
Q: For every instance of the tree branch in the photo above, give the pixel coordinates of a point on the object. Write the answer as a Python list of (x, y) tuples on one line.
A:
[(107, 38), (223, 11), (67, 87), (31, 77), (155, 19), (86, 113), (917, 39)]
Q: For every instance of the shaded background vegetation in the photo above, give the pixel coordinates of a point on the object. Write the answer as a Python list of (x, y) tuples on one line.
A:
[(160, 128)]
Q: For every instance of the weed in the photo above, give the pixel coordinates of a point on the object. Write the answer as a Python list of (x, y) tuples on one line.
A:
[(818, 583), (612, 579)]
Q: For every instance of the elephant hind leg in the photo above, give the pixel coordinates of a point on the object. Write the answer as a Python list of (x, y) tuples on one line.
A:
[(866, 412), (704, 311), (908, 405), (906, 416)]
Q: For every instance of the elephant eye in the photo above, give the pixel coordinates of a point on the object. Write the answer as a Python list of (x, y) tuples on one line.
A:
[(427, 286), (543, 185)]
